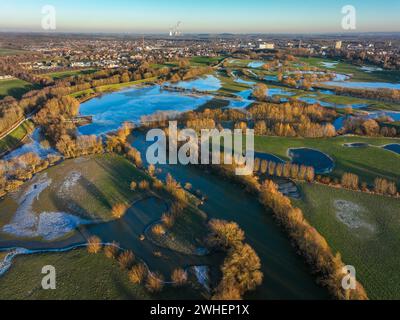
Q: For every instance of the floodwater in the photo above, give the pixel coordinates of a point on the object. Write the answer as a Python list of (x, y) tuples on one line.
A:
[(321, 162), (395, 147), (362, 85), (206, 83), (286, 276), (111, 110), (256, 64)]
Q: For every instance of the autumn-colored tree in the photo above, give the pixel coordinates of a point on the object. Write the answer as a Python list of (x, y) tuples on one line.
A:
[(224, 234), (118, 210), (144, 185), (350, 180), (126, 259), (168, 220), (260, 91), (158, 230), (179, 277), (94, 244), (133, 185), (264, 166), (137, 273), (111, 251), (155, 282)]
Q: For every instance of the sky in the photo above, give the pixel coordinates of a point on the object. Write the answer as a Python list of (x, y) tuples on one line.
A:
[(204, 16)]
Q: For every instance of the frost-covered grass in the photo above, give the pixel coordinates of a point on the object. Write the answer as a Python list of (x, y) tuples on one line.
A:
[(364, 228), (74, 192)]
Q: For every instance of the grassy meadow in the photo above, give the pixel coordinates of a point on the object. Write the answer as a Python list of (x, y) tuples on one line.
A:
[(364, 228), (368, 163), (14, 138), (14, 87)]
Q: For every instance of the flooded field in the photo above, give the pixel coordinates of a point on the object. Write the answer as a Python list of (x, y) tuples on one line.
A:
[(321, 162)]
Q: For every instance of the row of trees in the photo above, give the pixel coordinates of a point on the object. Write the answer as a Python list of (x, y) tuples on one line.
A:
[(389, 95), (381, 185), (14, 172), (369, 127), (286, 170), (290, 119), (310, 242), (138, 272)]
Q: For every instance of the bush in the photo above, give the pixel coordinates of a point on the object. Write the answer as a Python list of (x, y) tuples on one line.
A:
[(138, 273), (94, 245), (126, 259)]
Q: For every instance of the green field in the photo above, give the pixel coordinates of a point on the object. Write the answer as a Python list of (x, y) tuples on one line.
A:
[(229, 86), (368, 163), (88, 187), (11, 52), (64, 74), (15, 137), (103, 181), (205, 61), (79, 275), (367, 235), (110, 87), (14, 88), (358, 74)]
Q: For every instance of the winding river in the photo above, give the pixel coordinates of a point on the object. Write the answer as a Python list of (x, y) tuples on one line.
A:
[(286, 276)]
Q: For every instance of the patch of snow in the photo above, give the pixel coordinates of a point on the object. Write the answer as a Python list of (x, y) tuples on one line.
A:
[(329, 65), (70, 181), (47, 225), (350, 214), (33, 146), (370, 69), (201, 273)]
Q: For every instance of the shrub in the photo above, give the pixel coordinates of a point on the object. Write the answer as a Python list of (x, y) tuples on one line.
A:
[(138, 273), (94, 244), (126, 259)]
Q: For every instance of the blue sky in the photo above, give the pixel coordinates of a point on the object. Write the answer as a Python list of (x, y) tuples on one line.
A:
[(214, 16)]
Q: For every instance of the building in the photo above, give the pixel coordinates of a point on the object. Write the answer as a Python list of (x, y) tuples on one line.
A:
[(338, 45), (266, 45)]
